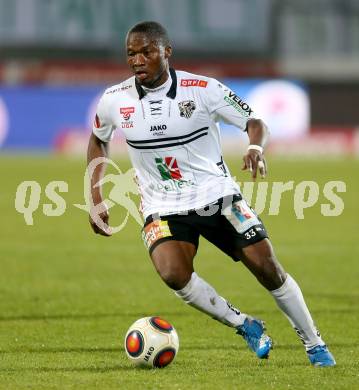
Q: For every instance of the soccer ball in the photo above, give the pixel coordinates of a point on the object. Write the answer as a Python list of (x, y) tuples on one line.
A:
[(151, 342)]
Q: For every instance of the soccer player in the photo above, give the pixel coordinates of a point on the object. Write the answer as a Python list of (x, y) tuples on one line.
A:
[(170, 122)]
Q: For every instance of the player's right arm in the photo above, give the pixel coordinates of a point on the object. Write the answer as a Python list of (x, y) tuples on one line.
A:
[(97, 153), (97, 149)]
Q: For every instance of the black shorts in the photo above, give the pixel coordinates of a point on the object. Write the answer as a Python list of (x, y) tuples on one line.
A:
[(229, 224)]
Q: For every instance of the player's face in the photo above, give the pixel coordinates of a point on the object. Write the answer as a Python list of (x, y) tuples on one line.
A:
[(148, 59)]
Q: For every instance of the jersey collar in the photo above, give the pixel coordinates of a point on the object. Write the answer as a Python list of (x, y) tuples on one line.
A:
[(172, 92)]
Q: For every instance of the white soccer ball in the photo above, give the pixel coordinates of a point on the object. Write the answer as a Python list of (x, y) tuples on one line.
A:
[(151, 342)]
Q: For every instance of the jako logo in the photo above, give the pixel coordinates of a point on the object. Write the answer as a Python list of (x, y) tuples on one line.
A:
[(158, 127), (149, 353)]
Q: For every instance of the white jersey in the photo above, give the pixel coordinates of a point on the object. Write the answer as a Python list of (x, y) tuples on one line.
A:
[(173, 138)]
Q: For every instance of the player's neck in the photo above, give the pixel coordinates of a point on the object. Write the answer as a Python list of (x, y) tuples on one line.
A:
[(160, 80), (159, 86)]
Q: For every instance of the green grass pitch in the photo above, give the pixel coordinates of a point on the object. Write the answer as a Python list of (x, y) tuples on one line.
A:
[(68, 296)]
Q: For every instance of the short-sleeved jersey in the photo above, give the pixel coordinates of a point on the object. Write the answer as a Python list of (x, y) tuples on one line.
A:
[(173, 138)]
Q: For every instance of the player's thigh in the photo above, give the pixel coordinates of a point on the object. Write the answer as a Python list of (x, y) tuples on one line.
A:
[(173, 261), (172, 242), (233, 228)]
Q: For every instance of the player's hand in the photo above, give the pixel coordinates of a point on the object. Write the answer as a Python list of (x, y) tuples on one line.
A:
[(98, 218), (254, 161)]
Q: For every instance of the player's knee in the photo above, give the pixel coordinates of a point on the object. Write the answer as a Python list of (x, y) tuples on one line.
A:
[(174, 278)]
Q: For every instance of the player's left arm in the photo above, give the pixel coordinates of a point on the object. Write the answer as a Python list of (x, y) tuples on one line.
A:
[(224, 104), (254, 159)]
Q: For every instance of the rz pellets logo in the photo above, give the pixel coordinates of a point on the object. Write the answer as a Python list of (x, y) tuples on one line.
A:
[(238, 104), (168, 168)]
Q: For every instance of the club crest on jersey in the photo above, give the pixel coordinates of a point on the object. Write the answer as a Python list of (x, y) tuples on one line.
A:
[(186, 108), (126, 112)]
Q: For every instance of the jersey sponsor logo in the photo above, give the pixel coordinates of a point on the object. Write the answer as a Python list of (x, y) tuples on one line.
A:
[(174, 185), (158, 127), (126, 112), (242, 217), (154, 231), (127, 125), (186, 108), (193, 83), (123, 88), (241, 212), (171, 175), (168, 168), (238, 104)]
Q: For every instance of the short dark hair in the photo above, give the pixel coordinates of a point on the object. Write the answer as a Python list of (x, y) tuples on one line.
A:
[(154, 29)]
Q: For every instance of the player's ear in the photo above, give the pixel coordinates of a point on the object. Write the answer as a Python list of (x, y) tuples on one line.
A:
[(168, 51)]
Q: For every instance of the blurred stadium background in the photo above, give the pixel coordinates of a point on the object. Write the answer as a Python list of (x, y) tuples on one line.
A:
[(296, 62)]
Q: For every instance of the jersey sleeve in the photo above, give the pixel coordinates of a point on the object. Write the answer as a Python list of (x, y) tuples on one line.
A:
[(103, 127), (225, 105)]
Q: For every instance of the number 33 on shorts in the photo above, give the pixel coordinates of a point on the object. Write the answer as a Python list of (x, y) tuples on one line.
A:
[(243, 218), (251, 233)]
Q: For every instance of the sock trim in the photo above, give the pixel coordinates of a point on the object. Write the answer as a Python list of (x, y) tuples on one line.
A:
[(283, 288)]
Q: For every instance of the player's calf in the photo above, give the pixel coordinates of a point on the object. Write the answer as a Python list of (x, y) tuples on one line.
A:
[(260, 259)]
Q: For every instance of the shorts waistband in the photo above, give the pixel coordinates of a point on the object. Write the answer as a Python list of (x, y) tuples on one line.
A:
[(219, 202)]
